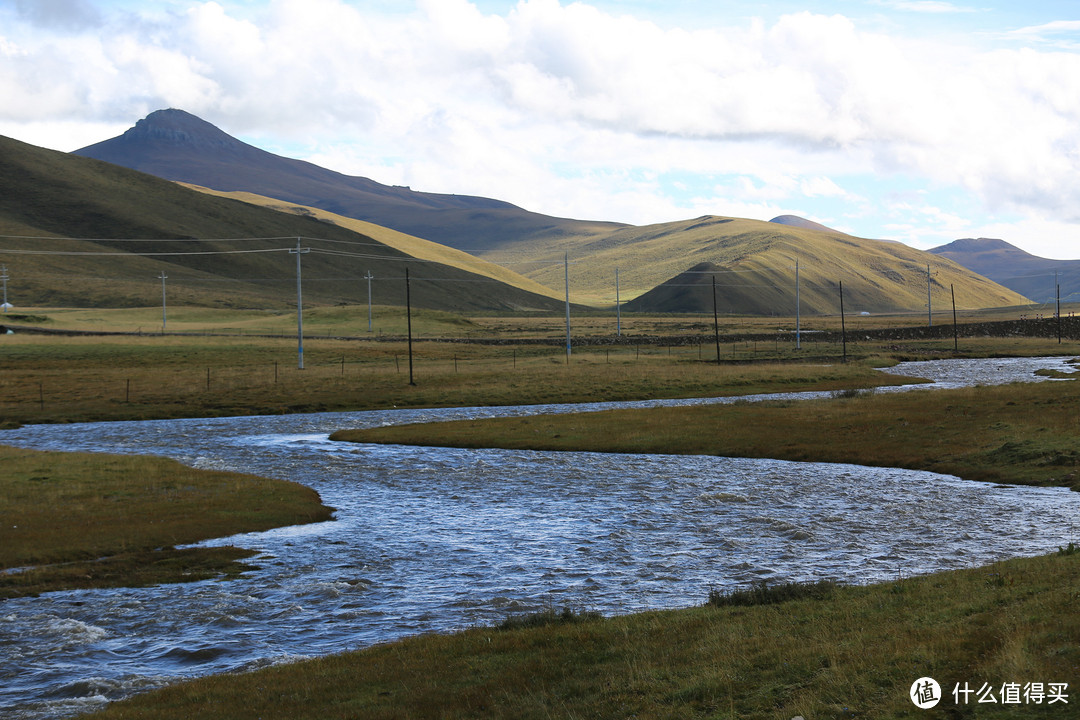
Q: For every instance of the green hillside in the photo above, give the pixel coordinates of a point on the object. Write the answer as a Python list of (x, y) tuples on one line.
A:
[(133, 226)]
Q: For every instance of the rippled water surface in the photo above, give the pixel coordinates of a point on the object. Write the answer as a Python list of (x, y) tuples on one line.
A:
[(438, 539)]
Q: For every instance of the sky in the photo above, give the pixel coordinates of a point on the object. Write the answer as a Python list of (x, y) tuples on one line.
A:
[(922, 121)]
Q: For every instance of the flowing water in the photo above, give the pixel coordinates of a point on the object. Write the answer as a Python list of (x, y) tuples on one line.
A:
[(428, 539)]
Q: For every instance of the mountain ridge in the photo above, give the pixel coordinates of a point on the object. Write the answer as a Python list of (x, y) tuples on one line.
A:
[(176, 145), (223, 251), (1034, 277), (883, 276)]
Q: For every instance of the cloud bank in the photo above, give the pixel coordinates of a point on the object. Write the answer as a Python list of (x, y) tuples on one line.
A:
[(570, 110)]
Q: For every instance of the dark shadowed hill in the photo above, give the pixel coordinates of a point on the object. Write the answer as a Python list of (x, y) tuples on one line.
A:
[(121, 229), (176, 145), (1030, 275), (735, 292)]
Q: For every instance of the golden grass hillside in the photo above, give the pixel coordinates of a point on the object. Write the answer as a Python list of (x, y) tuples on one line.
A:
[(877, 275), (414, 246)]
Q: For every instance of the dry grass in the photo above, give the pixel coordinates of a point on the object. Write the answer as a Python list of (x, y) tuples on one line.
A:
[(89, 520), (64, 379), (1021, 433), (853, 653)]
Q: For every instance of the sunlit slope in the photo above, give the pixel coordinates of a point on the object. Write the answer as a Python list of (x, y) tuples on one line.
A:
[(754, 264), (413, 246), (214, 251)]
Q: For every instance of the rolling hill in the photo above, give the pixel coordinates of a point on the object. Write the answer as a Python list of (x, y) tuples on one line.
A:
[(878, 276), (120, 229), (754, 262), (1032, 276)]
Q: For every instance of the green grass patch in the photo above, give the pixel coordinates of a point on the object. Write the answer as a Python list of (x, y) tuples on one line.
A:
[(73, 520)]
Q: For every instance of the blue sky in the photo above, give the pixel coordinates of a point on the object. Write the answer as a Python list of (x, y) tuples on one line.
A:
[(922, 121)]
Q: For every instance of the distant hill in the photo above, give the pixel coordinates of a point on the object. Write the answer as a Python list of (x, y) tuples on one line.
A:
[(878, 276), (1027, 274), (47, 197), (796, 221), (177, 145), (660, 270)]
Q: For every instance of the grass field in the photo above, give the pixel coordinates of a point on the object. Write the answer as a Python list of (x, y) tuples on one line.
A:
[(1018, 433), (246, 362), (84, 520)]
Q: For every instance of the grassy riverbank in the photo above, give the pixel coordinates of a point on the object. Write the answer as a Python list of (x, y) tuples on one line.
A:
[(1021, 433), (853, 653), (87, 520), (48, 379)]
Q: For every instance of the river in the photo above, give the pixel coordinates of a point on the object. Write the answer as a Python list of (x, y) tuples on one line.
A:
[(432, 539)]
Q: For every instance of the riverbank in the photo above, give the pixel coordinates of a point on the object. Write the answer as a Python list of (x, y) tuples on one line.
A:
[(80, 520), (1023, 433), (852, 653)]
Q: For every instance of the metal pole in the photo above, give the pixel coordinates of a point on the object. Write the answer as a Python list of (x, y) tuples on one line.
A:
[(566, 278), (408, 319), (369, 277), (798, 310), (1058, 310), (299, 307), (4, 277), (618, 309), (843, 327), (164, 315), (929, 312), (715, 320), (955, 330)]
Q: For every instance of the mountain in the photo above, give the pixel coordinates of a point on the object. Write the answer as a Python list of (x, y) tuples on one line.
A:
[(176, 145), (878, 276), (53, 203), (754, 262), (1027, 274)]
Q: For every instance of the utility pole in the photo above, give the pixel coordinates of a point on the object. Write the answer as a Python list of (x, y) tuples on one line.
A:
[(955, 329), (299, 307), (843, 326), (1058, 285), (4, 277), (369, 277), (408, 319), (715, 320), (164, 315), (929, 312), (618, 310), (566, 279), (798, 310)]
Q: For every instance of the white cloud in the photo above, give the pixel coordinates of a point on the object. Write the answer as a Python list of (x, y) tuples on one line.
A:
[(935, 7), (570, 110)]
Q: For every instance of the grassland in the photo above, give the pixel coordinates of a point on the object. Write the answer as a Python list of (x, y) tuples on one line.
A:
[(79, 520), (240, 363), (1020, 433)]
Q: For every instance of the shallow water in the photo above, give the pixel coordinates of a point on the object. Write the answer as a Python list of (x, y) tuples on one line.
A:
[(430, 539)]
